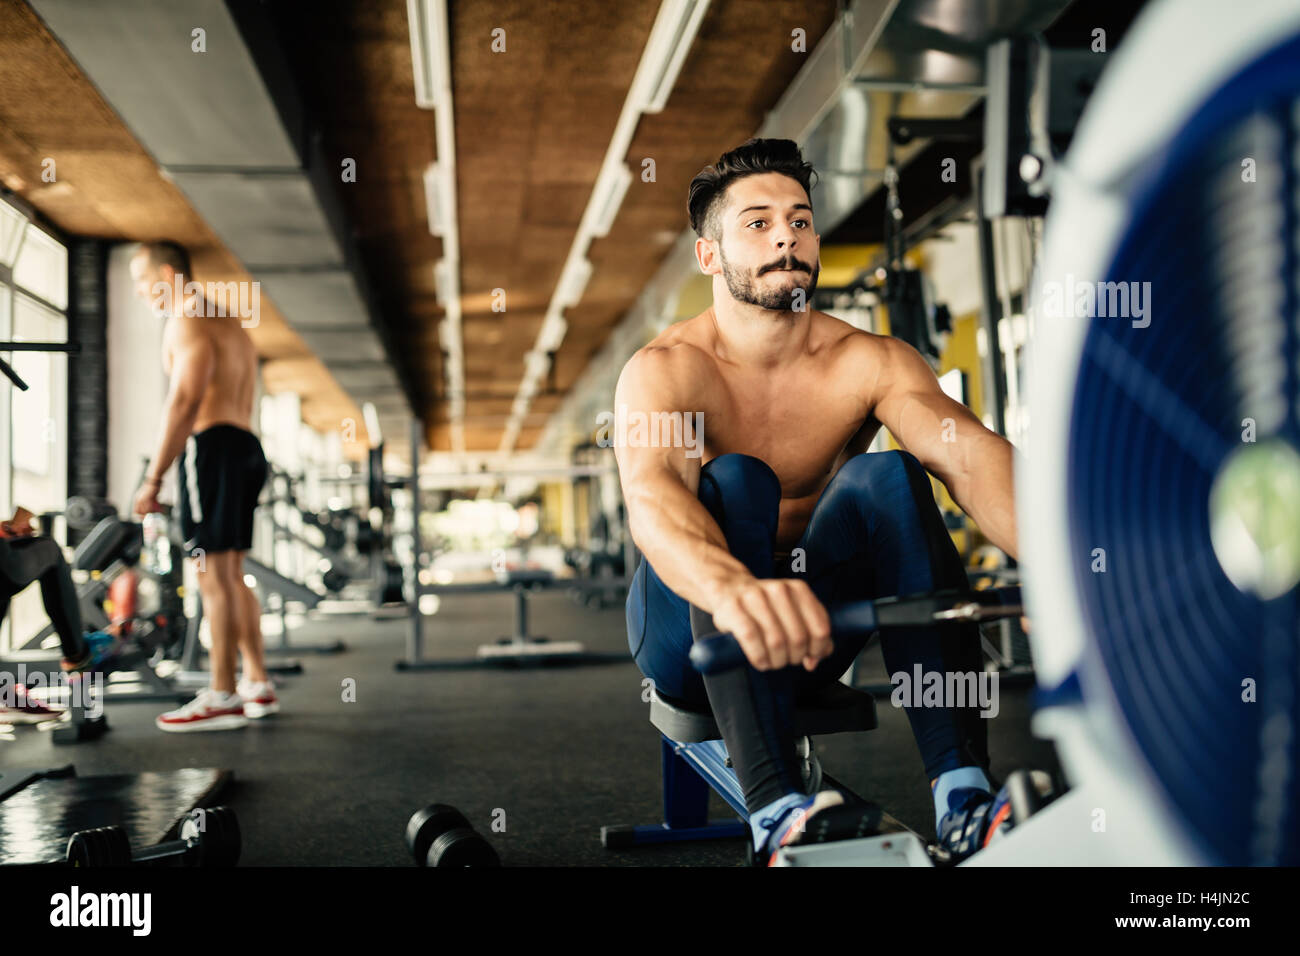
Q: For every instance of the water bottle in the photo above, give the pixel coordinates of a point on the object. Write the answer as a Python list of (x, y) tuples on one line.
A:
[(156, 555)]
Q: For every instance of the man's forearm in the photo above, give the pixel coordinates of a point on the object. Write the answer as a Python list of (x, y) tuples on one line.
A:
[(685, 546), (987, 493), (178, 420)]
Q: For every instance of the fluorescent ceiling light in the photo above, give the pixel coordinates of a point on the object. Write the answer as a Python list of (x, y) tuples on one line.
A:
[(434, 199), (537, 364), (552, 333), (444, 281), (426, 21), (449, 334), (671, 37), (681, 23), (573, 282), (611, 190), (372, 424)]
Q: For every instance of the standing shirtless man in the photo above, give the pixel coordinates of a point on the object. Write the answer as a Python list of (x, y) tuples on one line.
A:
[(213, 368), (784, 512)]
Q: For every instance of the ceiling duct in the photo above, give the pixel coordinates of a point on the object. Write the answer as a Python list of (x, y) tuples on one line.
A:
[(227, 127)]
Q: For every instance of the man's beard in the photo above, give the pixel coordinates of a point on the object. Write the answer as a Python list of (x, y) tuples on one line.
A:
[(745, 288)]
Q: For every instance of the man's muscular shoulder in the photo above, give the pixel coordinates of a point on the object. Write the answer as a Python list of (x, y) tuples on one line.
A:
[(673, 369), (851, 357), (840, 336)]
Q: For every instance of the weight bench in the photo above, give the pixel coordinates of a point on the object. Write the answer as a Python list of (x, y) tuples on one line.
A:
[(519, 649), (695, 758)]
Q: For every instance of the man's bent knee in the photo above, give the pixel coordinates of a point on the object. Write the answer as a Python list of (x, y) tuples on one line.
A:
[(876, 465), (738, 485)]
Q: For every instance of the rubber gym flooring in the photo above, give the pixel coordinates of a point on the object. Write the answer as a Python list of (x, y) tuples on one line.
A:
[(560, 750)]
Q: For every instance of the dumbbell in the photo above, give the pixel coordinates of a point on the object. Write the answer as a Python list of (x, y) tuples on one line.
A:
[(334, 580), (208, 838), (440, 835)]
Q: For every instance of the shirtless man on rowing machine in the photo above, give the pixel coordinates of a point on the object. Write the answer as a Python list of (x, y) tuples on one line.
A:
[(779, 511)]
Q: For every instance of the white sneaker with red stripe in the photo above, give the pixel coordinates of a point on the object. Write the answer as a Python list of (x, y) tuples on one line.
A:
[(259, 699), (209, 710), (21, 709)]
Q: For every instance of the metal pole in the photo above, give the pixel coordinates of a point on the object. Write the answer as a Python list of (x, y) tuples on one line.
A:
[(461, 479), (521, 613), (72, 348), (284, 625), (415, 640), (909, 86), (284, 538), (994, 387), (190, 658)]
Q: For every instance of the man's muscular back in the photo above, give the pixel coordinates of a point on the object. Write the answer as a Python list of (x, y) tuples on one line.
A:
[(804, 419), (231, 366)]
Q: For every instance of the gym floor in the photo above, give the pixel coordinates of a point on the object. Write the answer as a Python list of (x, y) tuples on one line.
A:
[(562, 750)]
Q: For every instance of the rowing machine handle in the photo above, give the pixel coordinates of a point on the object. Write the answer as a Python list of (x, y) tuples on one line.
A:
[(721, 652)]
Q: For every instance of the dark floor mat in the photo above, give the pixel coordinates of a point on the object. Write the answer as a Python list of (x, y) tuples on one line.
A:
[(36, 821)]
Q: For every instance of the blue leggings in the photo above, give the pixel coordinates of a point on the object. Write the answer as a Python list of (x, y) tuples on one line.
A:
[(875, 532)]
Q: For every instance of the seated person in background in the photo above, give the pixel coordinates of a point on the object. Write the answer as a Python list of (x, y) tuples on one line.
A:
[(26, 557), (778, 511)]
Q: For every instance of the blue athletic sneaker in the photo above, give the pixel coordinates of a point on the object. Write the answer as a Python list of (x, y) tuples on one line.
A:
[(973, 819), (821, 818), (101, 650)]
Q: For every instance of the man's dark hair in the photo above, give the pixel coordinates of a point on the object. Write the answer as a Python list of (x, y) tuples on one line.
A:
[(709, 187), (168, 253)]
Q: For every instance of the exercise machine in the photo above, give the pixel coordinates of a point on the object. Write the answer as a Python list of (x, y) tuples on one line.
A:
[(521, 648), (601, 527), (694, 758), (147, 622), (341, 537), (1160, 515), (1159, 510)]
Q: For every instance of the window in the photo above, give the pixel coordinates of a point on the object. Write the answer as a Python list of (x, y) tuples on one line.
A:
[(39, 415), (33, 423), (12, 226), (42, 268)]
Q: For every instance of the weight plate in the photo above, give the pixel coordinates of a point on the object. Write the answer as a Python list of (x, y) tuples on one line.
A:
[(427, 825), (103, 846), (223, 841), (461, 847)]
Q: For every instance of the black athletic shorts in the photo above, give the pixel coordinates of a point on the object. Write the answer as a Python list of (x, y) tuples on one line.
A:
[(222, 470)]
